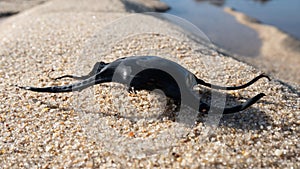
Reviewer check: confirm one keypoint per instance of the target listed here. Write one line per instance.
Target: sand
(106, 127)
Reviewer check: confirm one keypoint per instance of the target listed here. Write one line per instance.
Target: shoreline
(279, 53)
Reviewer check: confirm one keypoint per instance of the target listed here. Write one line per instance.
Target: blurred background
(263, 33)
(223, 29)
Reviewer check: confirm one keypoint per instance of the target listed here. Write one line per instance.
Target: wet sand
(279, 53)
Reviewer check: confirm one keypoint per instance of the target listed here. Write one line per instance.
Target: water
(226, 32)
(284, 14)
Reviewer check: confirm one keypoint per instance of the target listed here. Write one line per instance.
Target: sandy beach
(104, 126)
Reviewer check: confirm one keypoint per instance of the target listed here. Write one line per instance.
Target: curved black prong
(96, 69)
(73, 77)
(201, 82)
(243, 106)
(204, 108)
(68, 88)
